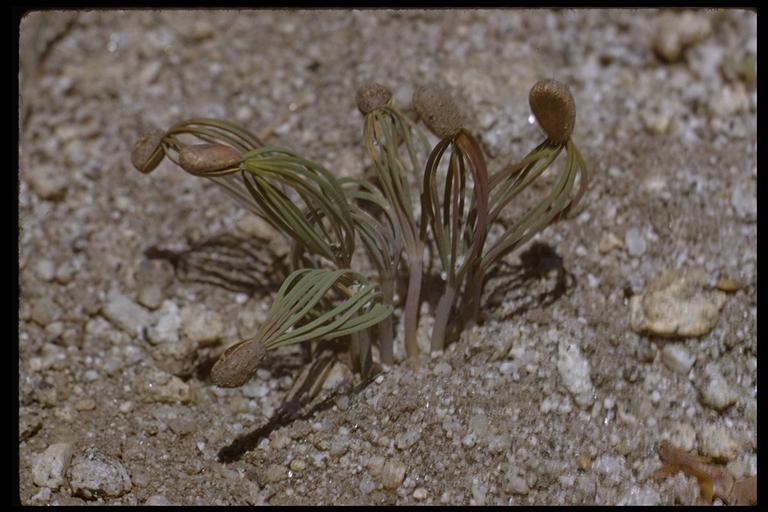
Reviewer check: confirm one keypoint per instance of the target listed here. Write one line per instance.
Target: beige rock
(609, 242)
(717, 443)
(392, 474)
(158, 386)
(676, 305)
(676, 32)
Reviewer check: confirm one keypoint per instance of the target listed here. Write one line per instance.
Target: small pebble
(634, 242)
(640, 496)
(744, 202)
(574, 372)
(43, 495)
(392, 474)
(683, 436)
(514, 482)
(677, 358)
(375, 465)
(366, 485)
(728, 285)
(716, 392)
(298, 465)
(201, 325)
(168, 324)
(156, 385)
(86, 404)
(45, 311)
(94, 474)
(48, 182)
(408, 438)
(675, 32)
(158, 500)
(151, 296)
(125, 314)
(420, 494)
(717, 443)
(49, 467)
(45, 270)
(469, 440)
(275, 473)
(729, 101)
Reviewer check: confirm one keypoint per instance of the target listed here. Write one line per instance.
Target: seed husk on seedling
(148, 151)
(209, 159)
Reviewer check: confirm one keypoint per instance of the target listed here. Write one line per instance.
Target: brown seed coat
(439, 110)
(371, 96)
(238, 363)
(208, 158)
(552, 104)
(148, 151)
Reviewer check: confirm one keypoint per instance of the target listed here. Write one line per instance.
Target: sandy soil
(554, 400)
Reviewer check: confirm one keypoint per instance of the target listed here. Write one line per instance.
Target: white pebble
(634, 242)
(716, 442)
(95, 474)
(420, 494)
(514, 482)
(744, 202)
(716, 392)
(45, 270)
(677, 358)
(158, 500)
(49, 467)
(574, 372)
(125, 314)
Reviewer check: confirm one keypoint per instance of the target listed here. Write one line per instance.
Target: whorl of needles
(552, 104)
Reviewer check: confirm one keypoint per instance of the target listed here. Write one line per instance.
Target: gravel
(559, 397)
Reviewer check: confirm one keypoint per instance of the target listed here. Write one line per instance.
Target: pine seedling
(323, 298)
(311, 305)
(454, 206)
(379, 232)
(553, 106)
(396, 146)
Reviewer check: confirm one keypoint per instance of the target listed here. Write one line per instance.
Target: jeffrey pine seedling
(422, 201)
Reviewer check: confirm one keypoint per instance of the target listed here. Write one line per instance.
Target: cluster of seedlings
(357, 242)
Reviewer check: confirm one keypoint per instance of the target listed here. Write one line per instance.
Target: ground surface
(555, 400)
